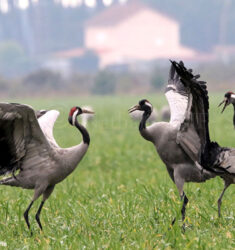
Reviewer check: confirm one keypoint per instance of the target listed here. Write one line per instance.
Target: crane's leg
(38, 215)
(179, 182)
(185, 202)
(38, 191)
(226, 185)
(26, 214)
(46, 195)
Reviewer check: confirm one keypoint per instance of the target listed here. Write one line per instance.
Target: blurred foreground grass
(120, 196)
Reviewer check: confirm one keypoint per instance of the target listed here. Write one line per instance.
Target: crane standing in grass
(229, 98)
(28, 145)
(184, 143)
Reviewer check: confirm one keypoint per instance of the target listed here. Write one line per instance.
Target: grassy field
(120, 196)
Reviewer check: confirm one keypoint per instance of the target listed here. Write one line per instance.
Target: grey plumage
(184, 143)
(228, 160)
(216, 159)
(29, 146)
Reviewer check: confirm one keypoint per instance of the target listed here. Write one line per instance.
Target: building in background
(134, 32)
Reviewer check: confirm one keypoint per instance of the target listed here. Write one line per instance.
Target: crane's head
(144, 105)
(229, 98)
(75, 111)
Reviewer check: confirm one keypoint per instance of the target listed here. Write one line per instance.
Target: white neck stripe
(148, 104)
(74, 117)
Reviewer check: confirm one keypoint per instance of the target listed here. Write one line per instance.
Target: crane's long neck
(145, 117)
(85, 134)
(142, 126)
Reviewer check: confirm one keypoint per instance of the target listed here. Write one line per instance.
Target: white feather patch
(178, 106)
(149, 104)
(47, 122)
(171, 86)
(74, 117)
(233, 96)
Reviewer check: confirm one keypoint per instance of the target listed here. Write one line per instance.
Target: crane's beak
(86, 111)
(225, 102)
(134, 108)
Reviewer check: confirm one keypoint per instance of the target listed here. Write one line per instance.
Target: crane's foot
(172, 224)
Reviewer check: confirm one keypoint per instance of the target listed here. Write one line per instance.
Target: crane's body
(184, 143)
(31, 148)
(47, 172)
(229, 159)
(179, 166)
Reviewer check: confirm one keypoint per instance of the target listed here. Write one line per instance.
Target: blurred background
(84, 47)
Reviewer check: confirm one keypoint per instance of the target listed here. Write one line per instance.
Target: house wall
(146, 35)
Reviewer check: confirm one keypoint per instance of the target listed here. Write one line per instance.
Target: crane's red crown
(72, 110)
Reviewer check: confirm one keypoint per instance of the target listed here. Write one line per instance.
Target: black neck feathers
(85, 135)
(145, 117)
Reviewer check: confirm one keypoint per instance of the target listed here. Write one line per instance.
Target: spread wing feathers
(20, 135)
(177, 96)
(228, 161)
(220, 159)
(193, 135)
(46, 123)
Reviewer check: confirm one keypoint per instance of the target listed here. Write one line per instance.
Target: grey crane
(229, 98)
(28, 145)
(184, 143)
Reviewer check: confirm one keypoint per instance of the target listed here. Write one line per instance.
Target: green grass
(120, 196)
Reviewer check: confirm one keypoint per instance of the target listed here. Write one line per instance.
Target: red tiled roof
(116, 13)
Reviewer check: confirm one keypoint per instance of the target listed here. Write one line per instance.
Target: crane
(27, 146)
(184, 143)
(229, 98)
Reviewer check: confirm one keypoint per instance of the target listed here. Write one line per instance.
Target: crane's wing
(193, 135)
(21, 138)
(46, 123)
(177, 96)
